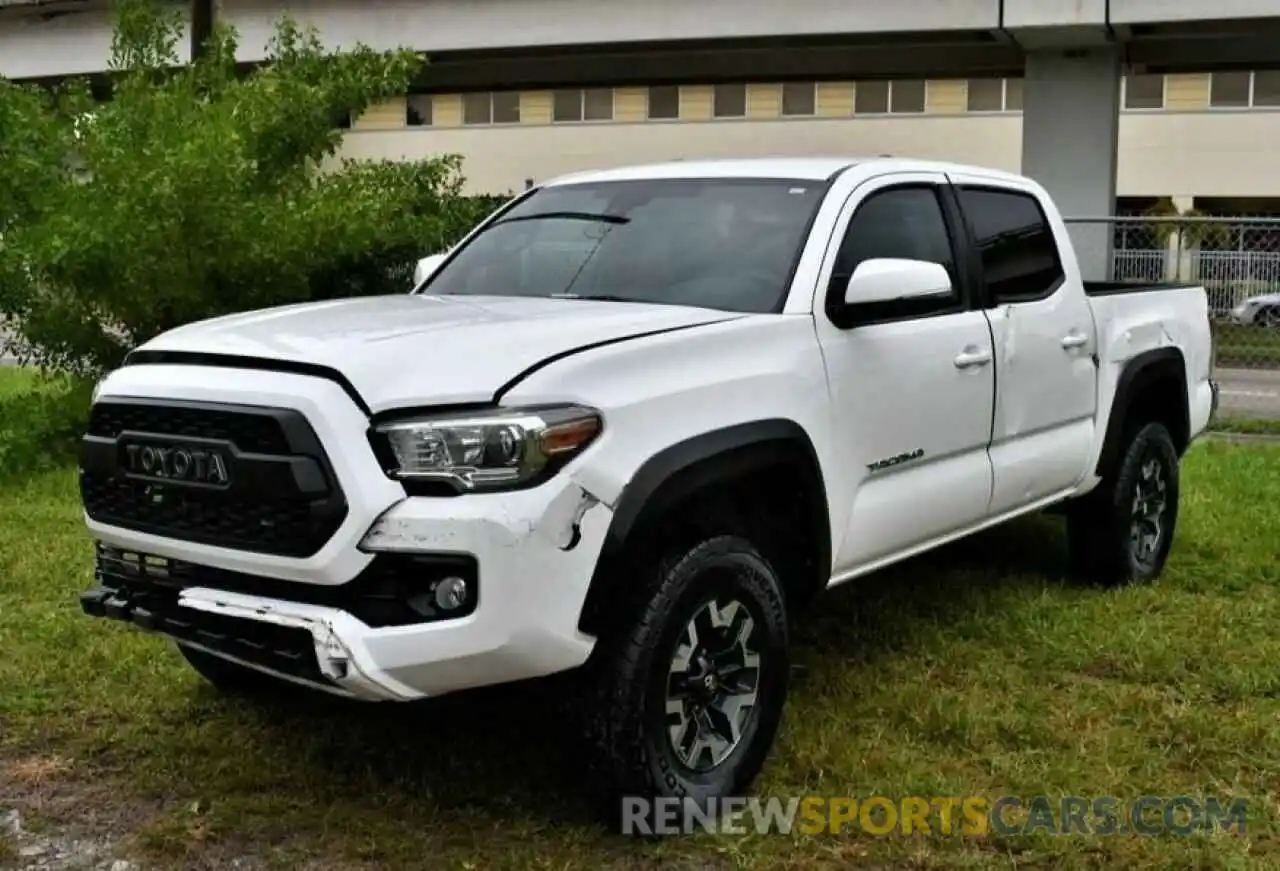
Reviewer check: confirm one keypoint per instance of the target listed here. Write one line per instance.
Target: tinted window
(904, 222)
(716, 243)
(901, 223)
(1019, 253)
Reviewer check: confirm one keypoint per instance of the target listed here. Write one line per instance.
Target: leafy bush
(41, 420)
(196, 191)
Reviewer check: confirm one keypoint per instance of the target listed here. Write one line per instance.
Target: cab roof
(798, 168)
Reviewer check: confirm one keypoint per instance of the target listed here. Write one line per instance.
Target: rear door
(1045, 343)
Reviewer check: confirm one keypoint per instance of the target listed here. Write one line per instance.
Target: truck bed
(1110, 288)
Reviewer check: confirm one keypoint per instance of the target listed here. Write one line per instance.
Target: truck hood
(422, 349)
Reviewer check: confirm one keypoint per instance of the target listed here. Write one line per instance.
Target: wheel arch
(1152, 386)
(705, 465)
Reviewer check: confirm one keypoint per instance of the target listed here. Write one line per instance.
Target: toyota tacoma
(625, 429)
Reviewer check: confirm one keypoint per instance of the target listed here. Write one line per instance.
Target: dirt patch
(57, 816)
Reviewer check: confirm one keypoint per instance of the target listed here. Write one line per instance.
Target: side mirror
(426, 268)
(889, 280)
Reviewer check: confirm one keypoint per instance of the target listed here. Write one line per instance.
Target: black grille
(282, 499)
(253, 433)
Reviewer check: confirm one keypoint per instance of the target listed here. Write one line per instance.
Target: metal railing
(1237, 260)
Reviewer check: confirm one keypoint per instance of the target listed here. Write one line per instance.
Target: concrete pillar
(1070, 134)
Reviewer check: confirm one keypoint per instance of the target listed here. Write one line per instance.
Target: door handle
(971, 356)
(1074, 340)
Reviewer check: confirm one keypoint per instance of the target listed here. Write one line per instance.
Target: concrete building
(1098, 99)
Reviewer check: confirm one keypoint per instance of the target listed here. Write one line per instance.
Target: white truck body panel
(999, 411)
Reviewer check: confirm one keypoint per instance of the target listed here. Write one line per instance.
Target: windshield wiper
(594, 297)
(571, 216)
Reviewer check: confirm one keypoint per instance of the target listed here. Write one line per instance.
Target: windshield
(727, 244)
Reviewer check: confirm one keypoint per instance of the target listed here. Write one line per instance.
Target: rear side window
(1020, 260)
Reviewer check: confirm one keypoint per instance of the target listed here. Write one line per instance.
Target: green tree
(196, 190)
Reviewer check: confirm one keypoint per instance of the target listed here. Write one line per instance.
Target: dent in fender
(561, 523)
(1126, 387)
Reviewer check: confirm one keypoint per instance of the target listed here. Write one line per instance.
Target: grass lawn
(976, 670)
(1251, 426)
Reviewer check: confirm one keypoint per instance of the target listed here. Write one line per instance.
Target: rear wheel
(685, 696)
(1122, 532)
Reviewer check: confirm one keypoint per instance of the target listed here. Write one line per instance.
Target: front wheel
(1122, 532)
(687, 695)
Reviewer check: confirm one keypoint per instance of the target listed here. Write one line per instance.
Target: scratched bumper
(535, 552)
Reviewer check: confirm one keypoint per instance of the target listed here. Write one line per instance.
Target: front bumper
(534, 552)
(531, 575)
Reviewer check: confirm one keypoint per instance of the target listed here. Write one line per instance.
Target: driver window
(901, 222)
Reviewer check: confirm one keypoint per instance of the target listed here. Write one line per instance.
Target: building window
(343, 120)
(1230, 90)
(1144, 92)
(986, 95)
(730, 101)
(871, 98)
(477, 108)
(506, 107)
(995, 95)
(901, 96)
(566, 105)
(597, 104)
(906, 95)
(577, 104)
(1266, 88)
(798, 98)
(417, 110)
(664, 102)
(502, 107)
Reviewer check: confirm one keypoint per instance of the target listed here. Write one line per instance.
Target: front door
(913, 392)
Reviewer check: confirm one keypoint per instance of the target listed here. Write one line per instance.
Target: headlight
(497, 450)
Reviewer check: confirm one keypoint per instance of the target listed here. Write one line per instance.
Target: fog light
(451, 594)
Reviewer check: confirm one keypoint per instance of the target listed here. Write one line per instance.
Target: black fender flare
(702, 461)
(1138, 372)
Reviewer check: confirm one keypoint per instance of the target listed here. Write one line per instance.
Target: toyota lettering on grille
(177, 464)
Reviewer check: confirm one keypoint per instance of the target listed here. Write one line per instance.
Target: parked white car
(1262, 311)
(754, 381)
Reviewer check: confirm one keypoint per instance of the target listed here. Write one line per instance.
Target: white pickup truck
(628, 426)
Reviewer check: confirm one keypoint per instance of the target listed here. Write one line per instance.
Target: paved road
(1250, 392)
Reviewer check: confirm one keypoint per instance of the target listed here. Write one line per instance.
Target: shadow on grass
(510, 750)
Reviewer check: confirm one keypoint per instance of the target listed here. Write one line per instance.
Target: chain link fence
(1237, 260)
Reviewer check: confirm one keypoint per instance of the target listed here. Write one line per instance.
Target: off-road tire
(626, 693)
(1101, 526)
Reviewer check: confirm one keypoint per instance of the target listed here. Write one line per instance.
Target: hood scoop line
(235, 361)
(590, 346)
